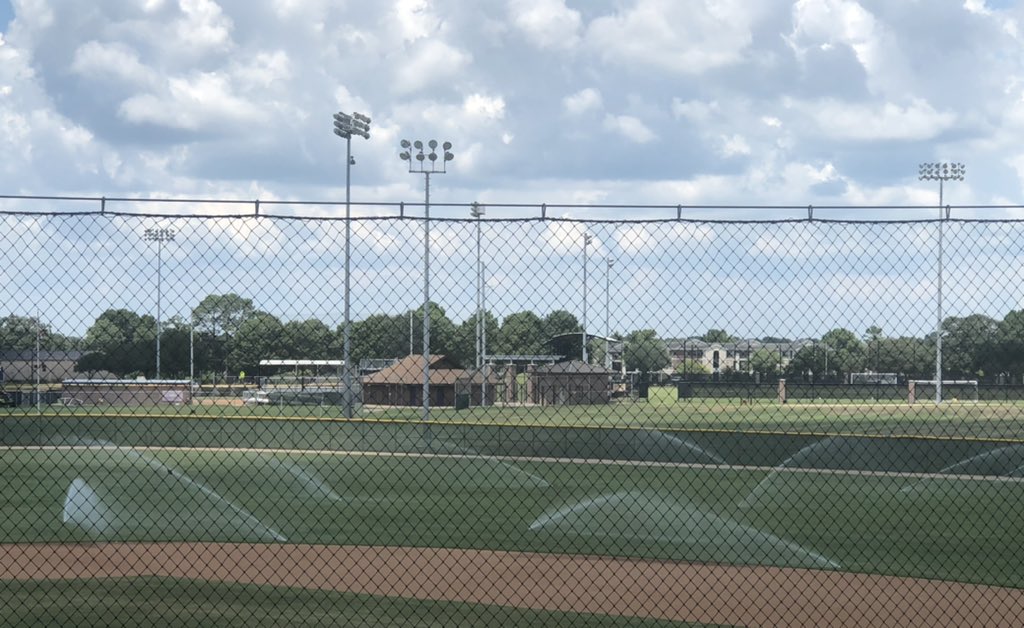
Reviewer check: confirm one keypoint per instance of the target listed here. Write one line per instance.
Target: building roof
(572, 367)
(409, 371)
(678, 344)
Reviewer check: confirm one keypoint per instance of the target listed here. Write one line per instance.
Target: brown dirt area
(733, 595)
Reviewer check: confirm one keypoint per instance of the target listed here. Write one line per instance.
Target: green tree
(217, 319)
(521, 333)
(644, 351)
(18, 333)
(969, 345)
(380, 336)
(845, 352)
(1009, 353)
(716, 335)
(766, 362)
(442, 330)
(556, 326)
(464, 347)
(260, 336)
(689, 366)
(125, 341)
(310, 339)
(913, 358)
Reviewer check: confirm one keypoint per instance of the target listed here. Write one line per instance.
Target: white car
(255, 398)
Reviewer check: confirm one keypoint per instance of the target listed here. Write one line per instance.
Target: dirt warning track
(732, 595)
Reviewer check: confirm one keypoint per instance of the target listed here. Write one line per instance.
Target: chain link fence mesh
(615, 422)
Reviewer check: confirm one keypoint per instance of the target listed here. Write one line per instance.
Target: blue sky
(693, 102)
(558, 101)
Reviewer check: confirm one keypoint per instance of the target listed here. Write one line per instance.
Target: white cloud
(734, 145)
(694, 110)
(204, 26)
(428, 63)
(414, 19)
(199, 102)
(587, 99)
(827, 22)
(916, 120)
(630, 128)
(484, 107)
(115, 61)
(678, 36)
(546, 23)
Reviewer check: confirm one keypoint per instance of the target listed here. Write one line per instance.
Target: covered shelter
(401, 384)
(126, 392)
(570, 383)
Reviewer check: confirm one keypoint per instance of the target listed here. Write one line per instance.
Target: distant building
(734, 356)
(54, 366)
(401, 384)
(570, 383)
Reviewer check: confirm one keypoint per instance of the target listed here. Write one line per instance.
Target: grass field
(585, 485)
(948, 528)
(178, 603)
(987, 419)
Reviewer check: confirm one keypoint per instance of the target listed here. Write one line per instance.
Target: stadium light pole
(587, 239)
(477, 211)
(426, 164)
(609, 262)
(483, 334)
(159, 236)
(941, 172)
(345, 126)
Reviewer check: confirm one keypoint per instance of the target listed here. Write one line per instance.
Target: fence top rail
(398, 209)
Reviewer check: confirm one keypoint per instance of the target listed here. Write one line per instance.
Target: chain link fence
(225, 420)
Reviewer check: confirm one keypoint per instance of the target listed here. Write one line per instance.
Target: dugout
(126, 392)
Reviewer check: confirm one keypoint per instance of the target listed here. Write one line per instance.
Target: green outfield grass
(987, 419)
(960, 529)
(180, 603)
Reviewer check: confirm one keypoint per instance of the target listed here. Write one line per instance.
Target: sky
(694, 102)
(615, 102)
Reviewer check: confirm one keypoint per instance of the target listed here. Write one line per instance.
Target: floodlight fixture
(424, 157)
(941, 172)
(158, 235)
(345, 126)
(419, 166)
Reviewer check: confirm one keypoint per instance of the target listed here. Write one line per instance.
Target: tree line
(229, 334)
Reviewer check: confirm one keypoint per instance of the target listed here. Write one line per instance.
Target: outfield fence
(532, 381)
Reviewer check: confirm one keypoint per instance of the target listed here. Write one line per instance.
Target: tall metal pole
(423, 160)
(345, 126)
(607, 313)
(940, 172)
(426, 299)
(587, 238)
(191, 355)
(938, 311)
(483, 334)
(39, 392)
(477, 211)
(347, 333)
(159, 264)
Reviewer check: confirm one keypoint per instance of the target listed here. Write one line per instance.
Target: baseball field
(463, 521)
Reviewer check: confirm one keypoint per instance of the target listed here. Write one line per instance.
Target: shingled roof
(409, 371)
(572, 367)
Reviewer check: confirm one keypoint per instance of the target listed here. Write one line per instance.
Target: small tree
(645, 352)
(765, 361)
(689, 366)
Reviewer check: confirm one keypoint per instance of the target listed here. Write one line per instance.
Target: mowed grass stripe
(180, 603)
